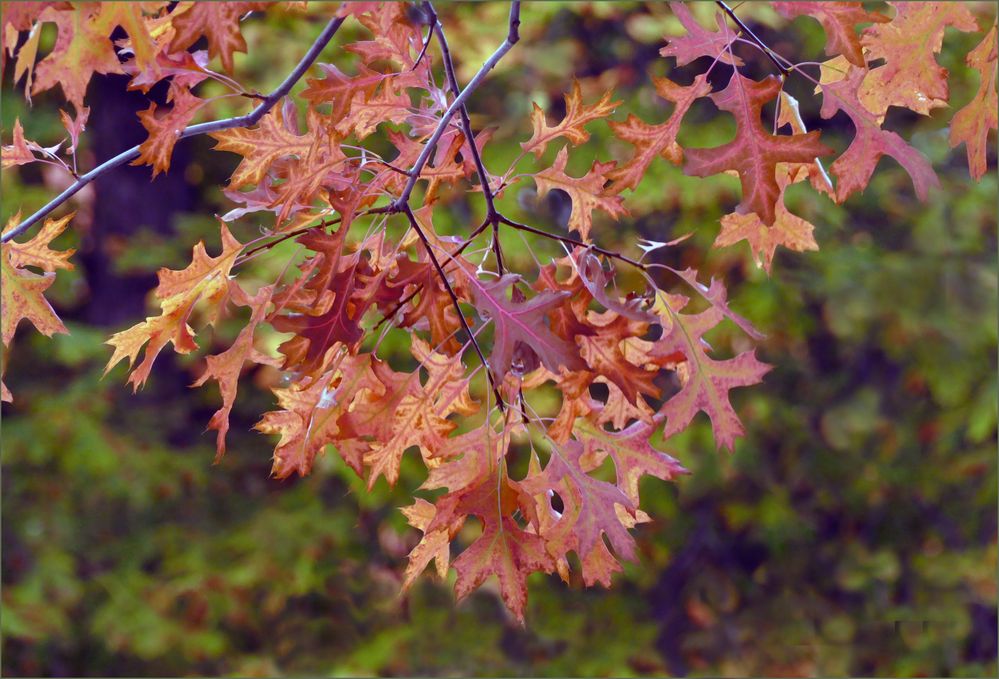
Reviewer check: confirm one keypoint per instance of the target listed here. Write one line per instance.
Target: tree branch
(400, 204)
(492, 217)
(454, 301)
(202, 128)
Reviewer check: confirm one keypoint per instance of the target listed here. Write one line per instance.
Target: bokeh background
(852, 532)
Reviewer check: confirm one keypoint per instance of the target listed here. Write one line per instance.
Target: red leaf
(754, 153)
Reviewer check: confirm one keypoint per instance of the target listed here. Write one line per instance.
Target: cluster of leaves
(494, 348)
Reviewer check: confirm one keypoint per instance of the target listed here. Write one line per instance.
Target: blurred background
(852, 532)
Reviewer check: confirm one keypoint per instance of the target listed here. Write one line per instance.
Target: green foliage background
(853, 531)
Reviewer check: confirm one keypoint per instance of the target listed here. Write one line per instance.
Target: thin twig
(573, 241)
(492, 216)
(745, 29)
(399, 205)
(201, 128)
(454, 301)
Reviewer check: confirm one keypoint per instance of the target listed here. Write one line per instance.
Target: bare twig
(202, 128)
(454, 301)
(399, 205)
(573, 241)
(745, 29)
(492, 216)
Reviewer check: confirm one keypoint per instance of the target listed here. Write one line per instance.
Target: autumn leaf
(522, 322)
(20, 151)
(218, 23)
(37, 251)
(854, 168)
(23, 298)
(587, 192)
(700, 42)
(651, 141)
(972, 123)
(164, 130)
(273, 138)
(311, 410)
(788, 229)
(754, 153)
(226, 367)
(838, 19)
(590, 505)
(911, 76)
(434, 546)
(83, 47)
(508, 552)
(204, 281)
(572, 126)
(707, 381)
(631, 451)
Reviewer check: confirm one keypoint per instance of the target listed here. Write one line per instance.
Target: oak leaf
(911, 76)
(572, 126)
(838, 19)
(218, 23)
(205, 281)
(522, 322)
(853, 169)
(707, 382)
(23, 298)
(651, 141)
(225, 368)
(699, 41)
(754, 153)
(587, 192)
(788, 229)
(972, 123)
(164, 130)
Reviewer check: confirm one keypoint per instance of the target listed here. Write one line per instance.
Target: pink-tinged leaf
(522, 322)
(706, 382)
(699, 41)
(838, 19)
(754, 153)
(911, 76)
(590, 505)
(508, 552)
(19, 152)
(854, 168)
(717, 295)
(226, 367)
(75, 126)
(632, 452)
(596, 280)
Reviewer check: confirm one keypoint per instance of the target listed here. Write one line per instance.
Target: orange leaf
(587, 192)
(911, 76)
(838, 19)
(205, 280)
(972, 123)
(572, 127)
(700, 42)
(655, 140)
(218, 22)
(226, 367)
(854, 168)
(164, 130)
(788, 230)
